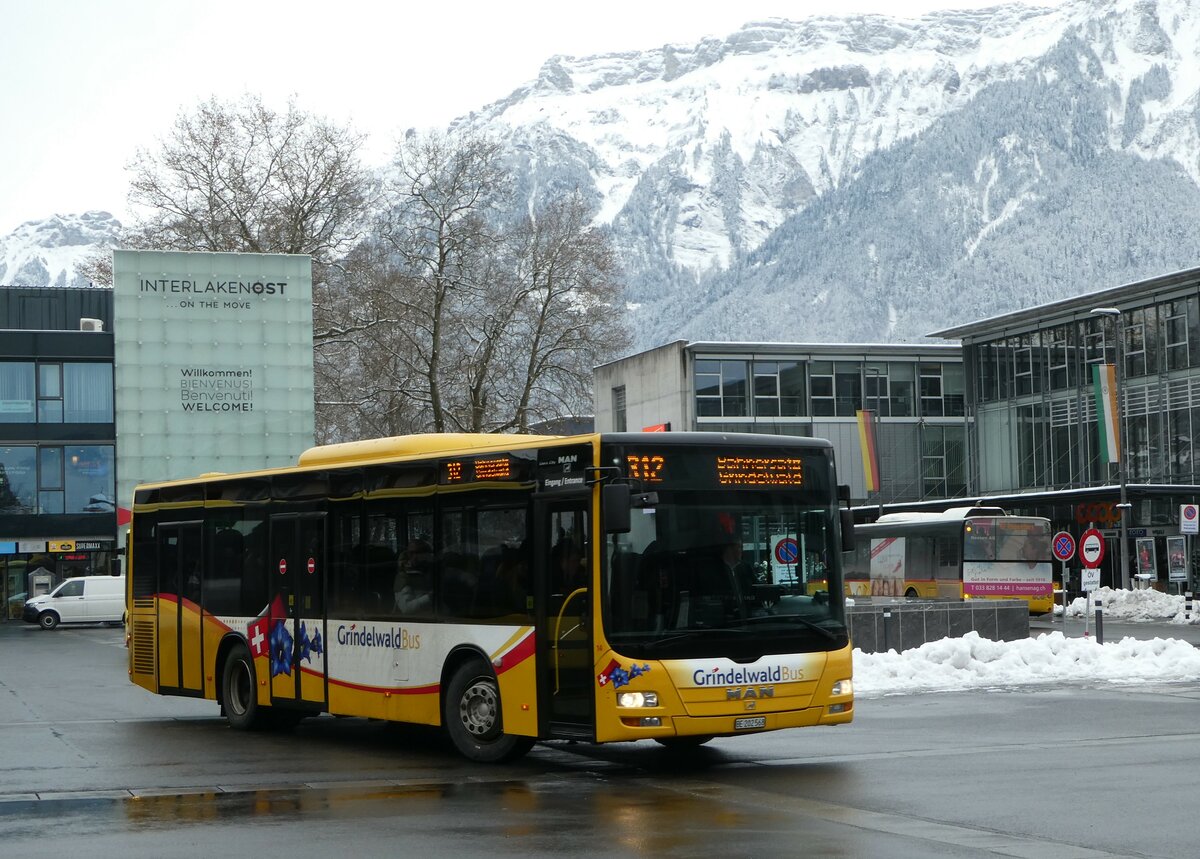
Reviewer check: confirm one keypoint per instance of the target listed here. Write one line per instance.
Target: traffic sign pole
(1063, 545)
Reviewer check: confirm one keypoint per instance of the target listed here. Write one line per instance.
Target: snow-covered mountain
(868, 178)
(45, 253)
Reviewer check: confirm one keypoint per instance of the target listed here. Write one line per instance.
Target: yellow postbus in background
(961, 553)
(509, 588)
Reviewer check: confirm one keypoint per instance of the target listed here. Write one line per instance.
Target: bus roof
(422, 445)
(954, 514)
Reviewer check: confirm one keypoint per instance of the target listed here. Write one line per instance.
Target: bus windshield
(736, 555)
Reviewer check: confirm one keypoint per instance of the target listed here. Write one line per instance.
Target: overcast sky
(86, 83)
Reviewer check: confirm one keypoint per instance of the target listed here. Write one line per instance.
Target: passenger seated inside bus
(413, 589)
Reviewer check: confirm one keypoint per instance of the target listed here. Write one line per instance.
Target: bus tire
(47, 620)
(911, 594)
(471, 711)
(239, 691)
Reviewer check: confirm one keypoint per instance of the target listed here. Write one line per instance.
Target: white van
(87, 599)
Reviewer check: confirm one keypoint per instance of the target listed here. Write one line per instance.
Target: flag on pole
(870, 450)
(1104, 377)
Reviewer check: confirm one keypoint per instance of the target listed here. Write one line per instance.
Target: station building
(1004, 413)
(917, 392)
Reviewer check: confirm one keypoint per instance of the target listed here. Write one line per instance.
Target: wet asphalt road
(95, 766)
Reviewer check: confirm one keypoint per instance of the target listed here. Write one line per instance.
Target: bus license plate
(749, 723)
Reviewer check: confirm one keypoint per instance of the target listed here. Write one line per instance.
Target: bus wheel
(48, 620)
(472, 715)
(238, 691)
(911, 594)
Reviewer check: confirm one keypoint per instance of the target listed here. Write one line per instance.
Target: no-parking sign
(1064, 546)
(1189, 519)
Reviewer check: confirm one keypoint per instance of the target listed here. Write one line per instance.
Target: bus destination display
(728, 470)
(493, 468)
(759, 471)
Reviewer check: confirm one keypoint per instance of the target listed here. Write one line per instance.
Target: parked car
(84, 599)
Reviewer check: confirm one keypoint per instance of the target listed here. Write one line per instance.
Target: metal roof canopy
(1045, 315)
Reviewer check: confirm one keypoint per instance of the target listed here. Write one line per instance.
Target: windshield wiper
(670, 639)
(785, 618)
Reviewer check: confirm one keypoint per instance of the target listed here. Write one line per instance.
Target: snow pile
(973, 662)
(1133, 606)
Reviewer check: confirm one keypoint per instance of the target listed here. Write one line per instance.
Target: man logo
(749, 693)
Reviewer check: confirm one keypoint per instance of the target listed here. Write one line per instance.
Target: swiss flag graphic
(259, 629)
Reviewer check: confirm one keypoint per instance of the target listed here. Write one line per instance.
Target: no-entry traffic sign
(1091, 548)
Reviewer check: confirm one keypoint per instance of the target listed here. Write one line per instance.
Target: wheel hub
(479, 708)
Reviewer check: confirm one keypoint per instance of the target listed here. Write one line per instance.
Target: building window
(875, 389)
(50, 404)
(87, 393)
(53, 479)
(50, 480)
(722, 389)
(1059, 348)
(1175, 333)
(821, 384)
(902, 387)
(89, 478)
(943, 461)
(54, 392)
(931, 390)
(1135, 344)
(17, 392)
(778, 389)
(1032, 448)
(18, 480)
(848, 378)
(1096, 349)
(954, 390)
(618, 407)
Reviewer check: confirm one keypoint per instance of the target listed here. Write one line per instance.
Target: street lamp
(1115, 314)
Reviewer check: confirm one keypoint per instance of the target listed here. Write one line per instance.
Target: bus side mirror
(847, 529)
(617, 502)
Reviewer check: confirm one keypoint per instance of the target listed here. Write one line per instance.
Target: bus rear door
(298, 573)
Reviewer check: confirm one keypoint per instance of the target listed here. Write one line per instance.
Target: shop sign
(60, 545)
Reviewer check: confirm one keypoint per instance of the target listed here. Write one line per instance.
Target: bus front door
(566, 698)
(180, 636)
(298, 572)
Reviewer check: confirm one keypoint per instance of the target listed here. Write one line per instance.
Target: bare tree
(569, 312)
(441, 238)
(242, 177)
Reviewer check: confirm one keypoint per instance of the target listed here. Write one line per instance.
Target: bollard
(1187, 607)
(1099, 620)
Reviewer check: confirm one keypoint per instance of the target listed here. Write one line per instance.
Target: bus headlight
(637, 699)
(842, 687)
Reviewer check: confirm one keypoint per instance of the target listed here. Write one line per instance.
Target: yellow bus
(509, 588)
(961, 553)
